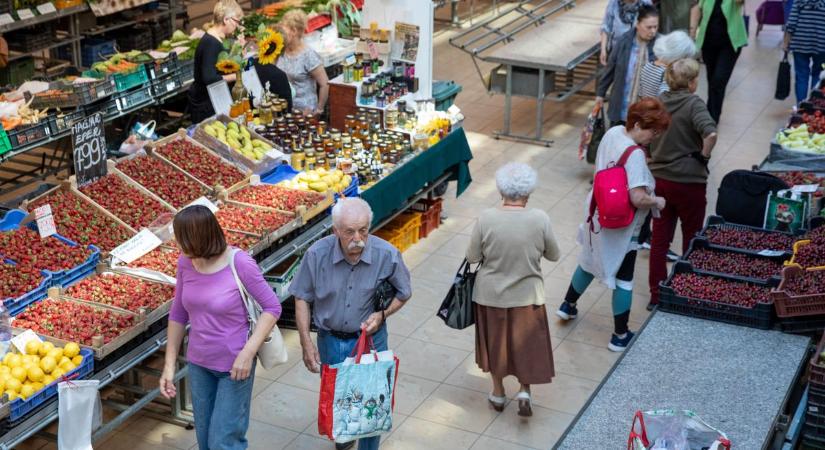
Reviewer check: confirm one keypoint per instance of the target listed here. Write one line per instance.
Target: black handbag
(599, 128)
(383, 296)
(743, 196)
(783, 79)
(457, 308)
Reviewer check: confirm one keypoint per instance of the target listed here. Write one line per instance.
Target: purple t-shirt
(212, 305)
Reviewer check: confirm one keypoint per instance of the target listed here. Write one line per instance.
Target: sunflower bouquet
(230, 60)
(270, 44)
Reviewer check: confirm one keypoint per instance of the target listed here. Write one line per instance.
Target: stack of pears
(238, 139)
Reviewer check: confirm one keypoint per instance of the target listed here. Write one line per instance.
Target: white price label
(805, 188)
(170, 86)
(45, 221)
(139, 245)
(255, 179)
(19, 342)
(46, 8)
(25, 14)
(203, 201)
(771, 253)
(6, 19)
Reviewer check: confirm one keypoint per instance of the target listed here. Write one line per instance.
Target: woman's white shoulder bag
(273, 351)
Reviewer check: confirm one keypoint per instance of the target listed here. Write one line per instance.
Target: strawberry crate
(430, 210)
(744, 270)
(15, 305)
(716, 223)
(126, 81)
(69, 276)
(788, 305)
(25, 135)
(134, 99)
(20, 407)
(760, 316)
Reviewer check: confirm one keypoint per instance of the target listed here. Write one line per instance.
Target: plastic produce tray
(760, 316)
(15, 305)
(24, 135)
(126, 81)
(136, 98)
(5, 144)
(186, 69)
(94, 50)
(160, 68)
(702, 243)
(796, 247)
(718, 222)
(788, 305)
(166, 84)
(430, 211)
(60, 122)
(266, 165)
(19, 407)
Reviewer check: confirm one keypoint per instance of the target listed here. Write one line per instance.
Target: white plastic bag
(674, 430)
(79, 412)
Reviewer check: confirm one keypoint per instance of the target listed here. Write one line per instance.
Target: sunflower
(270, 46)
(228, 66)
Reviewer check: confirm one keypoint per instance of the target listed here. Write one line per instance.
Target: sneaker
(345, 446)
(618, 345)
(567, 311)
(645, 245)
(672, 257)
(651, 306)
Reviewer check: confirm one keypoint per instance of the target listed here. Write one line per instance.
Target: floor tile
(469, 376)
(286, 406)
(426, 360)
(417, 434)
(411, 391)
(438, 268)
(298, 376)
(595, 330)
(488, 443)
(408, 319)
(156, 431)
(262, 435)
(434, 330)
(540, 431)
(583, 360)
(567, 393)
(414, 256)
(307, 442)
(428, 294)
(457, 407)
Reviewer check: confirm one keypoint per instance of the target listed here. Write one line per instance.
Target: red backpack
(610, 195)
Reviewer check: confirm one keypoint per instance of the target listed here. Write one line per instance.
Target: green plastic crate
(124, 82)
(444, 93)
(5, 144)
(17, 72)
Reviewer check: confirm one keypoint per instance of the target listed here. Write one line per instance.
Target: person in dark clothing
(719, 29)
(277, 79)
(227, 19)
(624, 65)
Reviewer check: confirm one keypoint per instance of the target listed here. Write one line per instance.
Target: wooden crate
(269, 235)
(262, 167)
(112, 165)
(306, 214)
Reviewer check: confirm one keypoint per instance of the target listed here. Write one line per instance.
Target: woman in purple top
(221, 352)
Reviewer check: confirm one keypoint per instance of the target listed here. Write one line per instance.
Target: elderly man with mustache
(339, 275)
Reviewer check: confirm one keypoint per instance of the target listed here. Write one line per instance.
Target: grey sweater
(671, 155)
(615, 72)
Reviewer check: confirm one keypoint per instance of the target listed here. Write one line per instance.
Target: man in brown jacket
(679, 162)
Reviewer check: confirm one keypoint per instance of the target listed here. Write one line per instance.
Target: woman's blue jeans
(333, 350)
(221, 408)
(807, 67)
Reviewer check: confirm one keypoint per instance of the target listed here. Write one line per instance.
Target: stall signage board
(89, 143)
(139, 245)
(220, 97)
(25, 14)
(6, 19)
(46, 8)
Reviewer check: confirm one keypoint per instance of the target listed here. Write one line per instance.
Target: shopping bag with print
(358, 395)
(673, 430)
(79, 411)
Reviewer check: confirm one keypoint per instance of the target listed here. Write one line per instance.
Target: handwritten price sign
(89, 143)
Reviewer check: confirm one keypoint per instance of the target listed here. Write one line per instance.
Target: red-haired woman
(609, 254)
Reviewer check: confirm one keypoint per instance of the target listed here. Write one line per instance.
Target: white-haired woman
(512, 330)
(668, 48)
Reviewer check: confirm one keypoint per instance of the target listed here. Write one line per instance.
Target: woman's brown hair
(649, 113)
(198, 233)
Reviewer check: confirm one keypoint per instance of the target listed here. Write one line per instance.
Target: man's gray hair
(674, 46)
(350, 205)
(516, 180)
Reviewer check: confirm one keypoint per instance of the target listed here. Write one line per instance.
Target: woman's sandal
(497, 403)
(525, 404)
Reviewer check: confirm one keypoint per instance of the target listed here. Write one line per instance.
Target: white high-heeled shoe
(497, 403)
(525, 404)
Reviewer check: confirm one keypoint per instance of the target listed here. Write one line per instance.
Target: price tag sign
(349, 60)
(373, 49)
(771, 253)
(46, 8)
(139, 245)
(25, 14)
(203, 201)
(6, 19)
(19, 342)
(805, 188)
(45, 221)
(89, 143)
(255, 180)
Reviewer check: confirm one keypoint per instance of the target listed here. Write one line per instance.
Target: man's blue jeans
(807, 67)
(221, 408)
(334, 350)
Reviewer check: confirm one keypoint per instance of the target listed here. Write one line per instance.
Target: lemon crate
(796, 247)
(20, 407)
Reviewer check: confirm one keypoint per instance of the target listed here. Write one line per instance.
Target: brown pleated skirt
(514, 341)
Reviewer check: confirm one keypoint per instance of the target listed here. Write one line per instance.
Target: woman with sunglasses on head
(227, 17)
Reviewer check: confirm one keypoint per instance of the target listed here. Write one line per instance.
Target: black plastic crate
(94, 50)
(62, 121)
(161, 31)
(719, 222)
(166, 85)
(25, 135)
(702, 243)
(161, 68)
(17, 72)
(134, 38)
(32, 39)
(186, 69)
(816, 396)
(131, 99)
(802, 325)
(760, 316)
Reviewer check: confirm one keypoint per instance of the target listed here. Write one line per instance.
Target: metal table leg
(508, 99)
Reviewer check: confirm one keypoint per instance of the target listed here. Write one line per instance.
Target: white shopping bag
(79, 412)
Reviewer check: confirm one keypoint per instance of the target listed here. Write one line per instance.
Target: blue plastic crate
(444, 93)
(351, 191)
(93, 50)
(68, 277)
(280, 173)
(19, 407)
(12, 219)
(16, 305)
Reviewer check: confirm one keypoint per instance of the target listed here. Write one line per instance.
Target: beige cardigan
(511, 242)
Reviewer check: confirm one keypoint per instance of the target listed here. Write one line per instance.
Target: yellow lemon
(56, 353)
(63, 360)
(48, 379)
(77, 360)
(67, 366)
(27, 391)
(19, 373)
(37, 386)
(2, 385)
(71, 349)
(48, 364)
(35, 374)
(13, 360)
(31, 360)
(57, 373)
(32, 347)
(5, 377)
(12, 395)
(13, 385)
(45, 348)
(5, 369)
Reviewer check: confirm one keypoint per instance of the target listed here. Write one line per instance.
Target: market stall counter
(737, 379)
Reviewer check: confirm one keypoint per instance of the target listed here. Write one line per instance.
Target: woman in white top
(668, 48)
(609, 254)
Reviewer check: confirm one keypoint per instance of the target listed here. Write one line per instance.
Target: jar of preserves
(358, 72)
(322, 162)
(380, 100)
(298, 159)
(310, 161)
(347, 150)
(346, 138)
(321, 127)
(391, 117)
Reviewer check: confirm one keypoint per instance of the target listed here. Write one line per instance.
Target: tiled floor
(441, 393)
